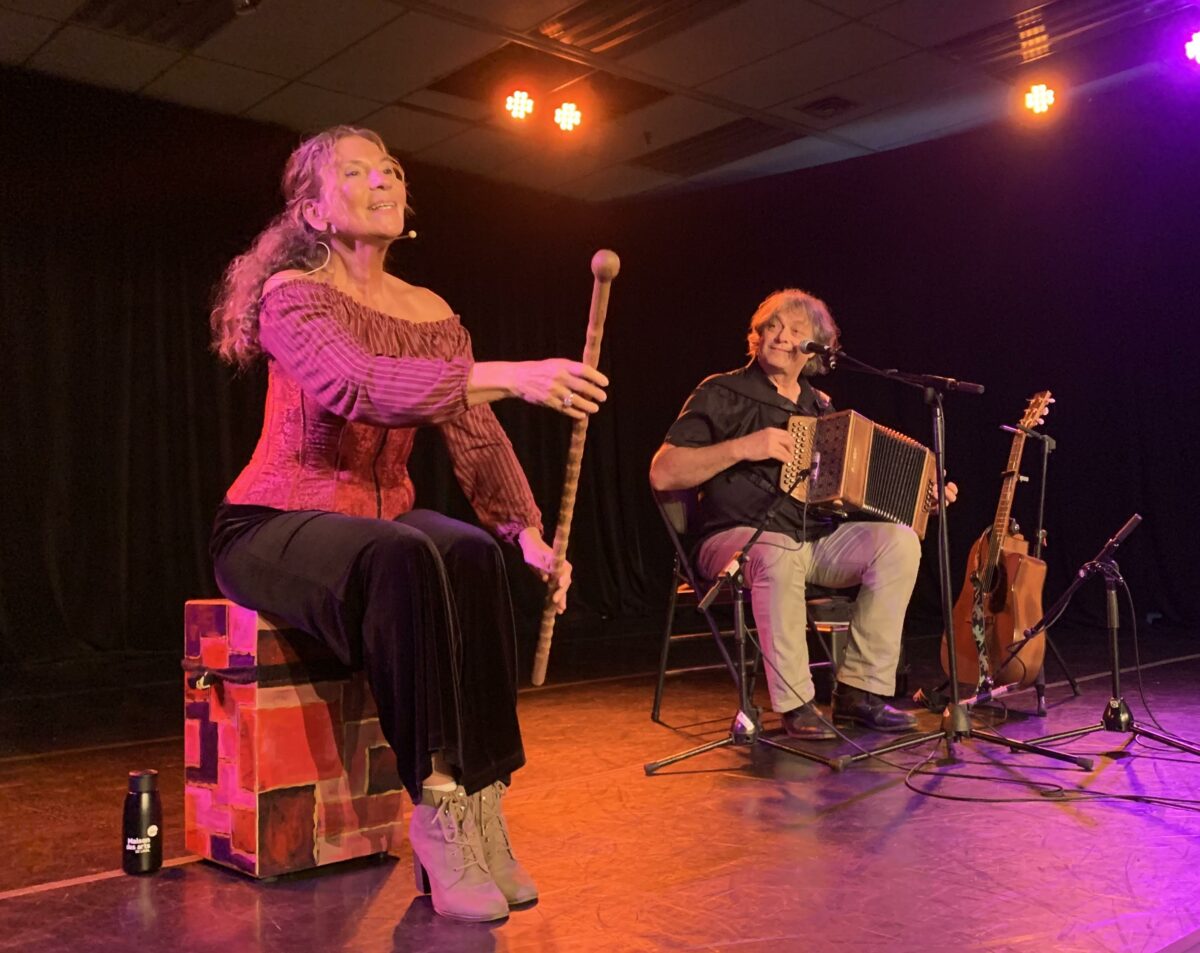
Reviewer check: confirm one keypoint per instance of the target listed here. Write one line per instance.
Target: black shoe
(855, 706)
(805, 724)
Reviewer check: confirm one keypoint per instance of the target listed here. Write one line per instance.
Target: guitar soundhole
(996, 598)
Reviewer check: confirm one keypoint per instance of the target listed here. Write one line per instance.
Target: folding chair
(828, 613)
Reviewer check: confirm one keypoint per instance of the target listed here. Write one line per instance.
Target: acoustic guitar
(1002, 593)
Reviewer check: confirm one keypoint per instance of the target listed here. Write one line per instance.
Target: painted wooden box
(287, 768)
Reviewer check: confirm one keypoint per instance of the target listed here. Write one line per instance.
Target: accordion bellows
(862, 468)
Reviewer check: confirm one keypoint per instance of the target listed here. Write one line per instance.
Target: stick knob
(605, 265)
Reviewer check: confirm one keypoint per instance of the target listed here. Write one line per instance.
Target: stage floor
(741, 849)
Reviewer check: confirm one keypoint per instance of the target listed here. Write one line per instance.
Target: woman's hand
(540, 558)
(570, 387)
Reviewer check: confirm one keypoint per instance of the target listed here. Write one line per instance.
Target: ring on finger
(568, 400)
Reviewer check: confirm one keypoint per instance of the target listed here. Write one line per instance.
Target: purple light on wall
(1193, 48)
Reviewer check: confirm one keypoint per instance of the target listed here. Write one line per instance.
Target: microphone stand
(956, 720)
(746, 727)
(1116, 716)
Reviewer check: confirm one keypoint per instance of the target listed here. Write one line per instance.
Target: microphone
(812, 347)
(949, 383)
(411, 233)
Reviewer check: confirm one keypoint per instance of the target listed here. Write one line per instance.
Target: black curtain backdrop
(1065, 259)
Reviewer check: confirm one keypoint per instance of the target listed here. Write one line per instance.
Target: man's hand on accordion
(951, 496)
(770, 443)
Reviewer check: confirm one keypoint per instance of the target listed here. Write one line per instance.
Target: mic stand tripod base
(956, 726)
(1116, 717)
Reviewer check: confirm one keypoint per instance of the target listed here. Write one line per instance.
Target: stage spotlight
(1039, 99)
(1192, 49)
(519, 104)
(567, 116)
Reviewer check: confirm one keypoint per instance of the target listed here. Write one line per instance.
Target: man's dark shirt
(726, 406)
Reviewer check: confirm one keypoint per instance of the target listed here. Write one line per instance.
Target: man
(730, 440)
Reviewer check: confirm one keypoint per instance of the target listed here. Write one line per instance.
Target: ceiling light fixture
(519, 104)
(567, 116)
(1039, 99)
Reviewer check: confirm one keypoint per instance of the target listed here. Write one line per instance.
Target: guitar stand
(1116, 716)
(935, 698)
(1039, 685)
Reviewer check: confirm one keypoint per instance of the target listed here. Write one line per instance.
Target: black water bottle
(142, 843)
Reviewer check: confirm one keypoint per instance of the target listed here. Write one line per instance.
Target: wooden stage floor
(742, 849)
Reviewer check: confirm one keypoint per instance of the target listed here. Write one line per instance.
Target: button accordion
(861, 468)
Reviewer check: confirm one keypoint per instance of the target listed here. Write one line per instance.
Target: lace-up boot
(448, 857)
(512, 879)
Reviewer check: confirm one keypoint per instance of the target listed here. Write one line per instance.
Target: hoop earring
(325, 263)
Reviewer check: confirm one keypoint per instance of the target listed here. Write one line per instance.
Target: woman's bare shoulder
(418, 303)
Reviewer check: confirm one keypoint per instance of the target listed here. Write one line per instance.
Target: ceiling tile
(288, 39)
(20, 35)
(410, 130)
(717, 147)
(54, 9)
(929, 22)
(860, 8)
(617, 28)
(178, 26)
(452, 105)
(949, 112)
(889, 85)
(215, 86)
(101, 59)
(480, 150)
(810, 65)
(800, 154)
(743, 34)
(402, 57)
(659, 124)
(309, 108)
(521, 15)
(616, 181)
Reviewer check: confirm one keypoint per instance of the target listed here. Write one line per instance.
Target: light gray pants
(883, 557)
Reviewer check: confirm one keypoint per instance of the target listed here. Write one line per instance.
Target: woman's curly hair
(287, 242)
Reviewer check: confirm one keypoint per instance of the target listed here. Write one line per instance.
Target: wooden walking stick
(605, 265)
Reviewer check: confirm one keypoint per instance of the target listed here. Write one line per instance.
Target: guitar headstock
(1035, 412)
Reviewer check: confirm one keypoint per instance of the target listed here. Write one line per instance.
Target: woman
(319, 528)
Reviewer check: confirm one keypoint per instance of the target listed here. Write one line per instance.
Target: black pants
(421, 603)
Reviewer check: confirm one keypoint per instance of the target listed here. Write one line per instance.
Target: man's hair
(788, 301)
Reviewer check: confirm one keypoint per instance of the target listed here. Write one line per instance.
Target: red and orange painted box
(287, 767)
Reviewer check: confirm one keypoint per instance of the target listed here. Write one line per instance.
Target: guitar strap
(978, 633)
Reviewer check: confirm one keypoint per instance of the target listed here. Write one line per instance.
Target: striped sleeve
(298, 329)
(488, 471)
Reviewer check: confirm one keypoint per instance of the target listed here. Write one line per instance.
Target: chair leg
(725, 656)
(826, 648)
(666, 644)
(902, 671)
